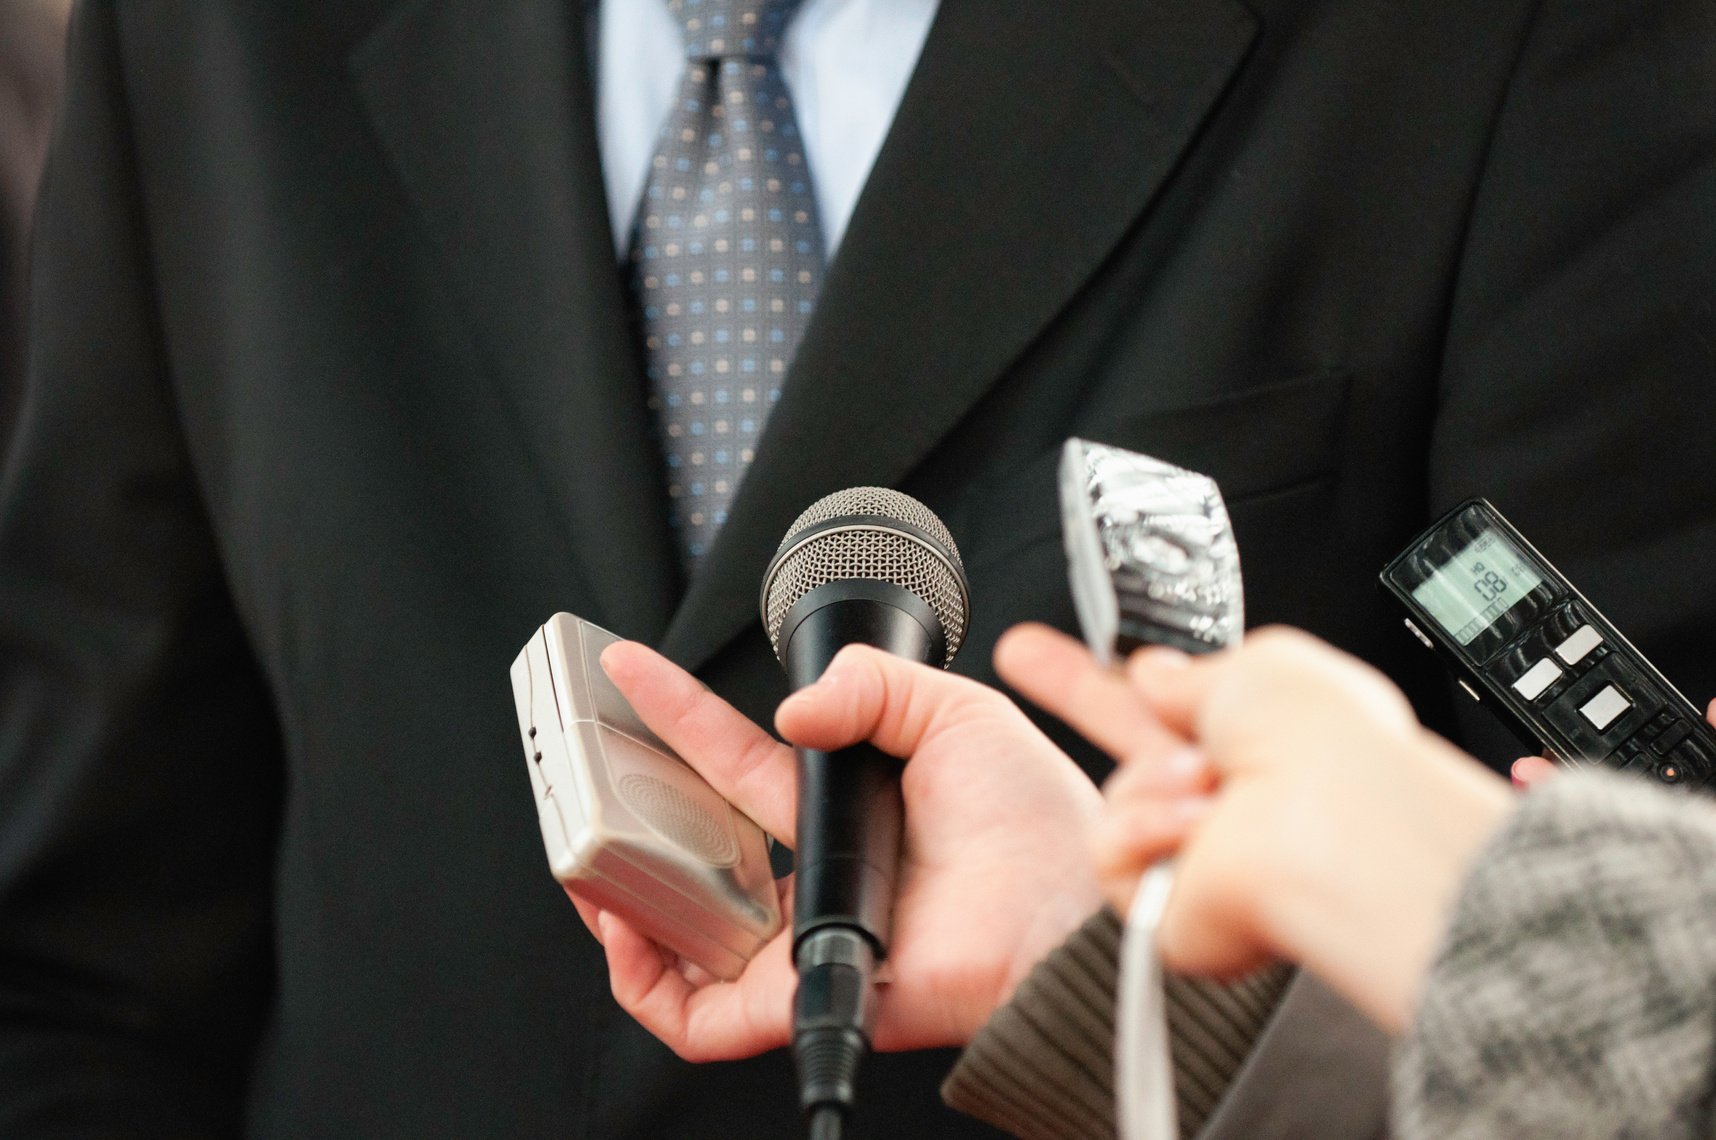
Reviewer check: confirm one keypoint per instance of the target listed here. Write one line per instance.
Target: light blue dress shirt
(846, 63)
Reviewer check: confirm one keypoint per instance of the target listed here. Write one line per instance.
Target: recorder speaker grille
(679, 819)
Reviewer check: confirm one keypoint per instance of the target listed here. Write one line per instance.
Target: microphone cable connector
(833, 1013)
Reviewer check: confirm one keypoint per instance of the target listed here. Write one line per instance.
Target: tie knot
(717, 29)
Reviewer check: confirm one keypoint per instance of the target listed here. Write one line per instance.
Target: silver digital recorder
(626, 823)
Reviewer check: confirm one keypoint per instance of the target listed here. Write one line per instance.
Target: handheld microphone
(865, 566)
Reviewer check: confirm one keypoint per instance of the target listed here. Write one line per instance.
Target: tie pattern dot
(726, 258)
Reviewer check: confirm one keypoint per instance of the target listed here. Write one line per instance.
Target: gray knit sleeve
(1043, 1067)
(1574, 994)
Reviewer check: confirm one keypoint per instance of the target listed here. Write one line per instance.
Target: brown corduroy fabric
(1043, 1067)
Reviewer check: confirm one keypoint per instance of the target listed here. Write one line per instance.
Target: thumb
(1173, 685)
(867, 694)
(1530, 772)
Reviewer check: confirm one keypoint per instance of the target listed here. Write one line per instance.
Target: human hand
(1341, 829)
(1162, 785)
(993, 874)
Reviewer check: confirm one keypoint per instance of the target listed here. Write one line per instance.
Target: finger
(1059, 674)
(1184, 692)
(1132, 839)
(588, 911)
(866, 694)
(1710, 714)
(746, 765)
(1176, 772)
(1532, 772)
(1172, 685)
(700, 1020)
(644, 982)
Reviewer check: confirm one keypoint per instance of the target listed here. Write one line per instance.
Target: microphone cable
(827, 1123)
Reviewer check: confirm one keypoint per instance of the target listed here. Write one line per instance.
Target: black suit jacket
(336, 400)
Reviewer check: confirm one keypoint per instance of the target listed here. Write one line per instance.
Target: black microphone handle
(850, 814)
(846, 860)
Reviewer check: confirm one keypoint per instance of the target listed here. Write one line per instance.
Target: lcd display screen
(1479, 584)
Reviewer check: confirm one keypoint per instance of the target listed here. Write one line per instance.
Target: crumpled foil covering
(1152, 557)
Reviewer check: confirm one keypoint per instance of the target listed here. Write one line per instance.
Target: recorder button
(1605, 708)
(1626, 755)
(1695, 759)
(1666, 742)
(1575, 648)
(1537, 679)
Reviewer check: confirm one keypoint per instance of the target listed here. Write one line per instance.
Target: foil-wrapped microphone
(864, 566)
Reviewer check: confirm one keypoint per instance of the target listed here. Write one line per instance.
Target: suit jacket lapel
(1031, 138)
(486, 112)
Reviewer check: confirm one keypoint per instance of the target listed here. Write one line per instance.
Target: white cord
(1143, 1066)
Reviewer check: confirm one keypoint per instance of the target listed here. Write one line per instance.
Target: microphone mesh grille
(868, 554)
(881, 501)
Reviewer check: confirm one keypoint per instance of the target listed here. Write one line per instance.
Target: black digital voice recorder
(1520, 639)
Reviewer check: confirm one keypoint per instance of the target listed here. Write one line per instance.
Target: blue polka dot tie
(726, 258)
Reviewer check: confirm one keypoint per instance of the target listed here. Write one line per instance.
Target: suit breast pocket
(1260, 445)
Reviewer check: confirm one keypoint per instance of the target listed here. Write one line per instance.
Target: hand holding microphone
(992, 872)
(866, 566)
